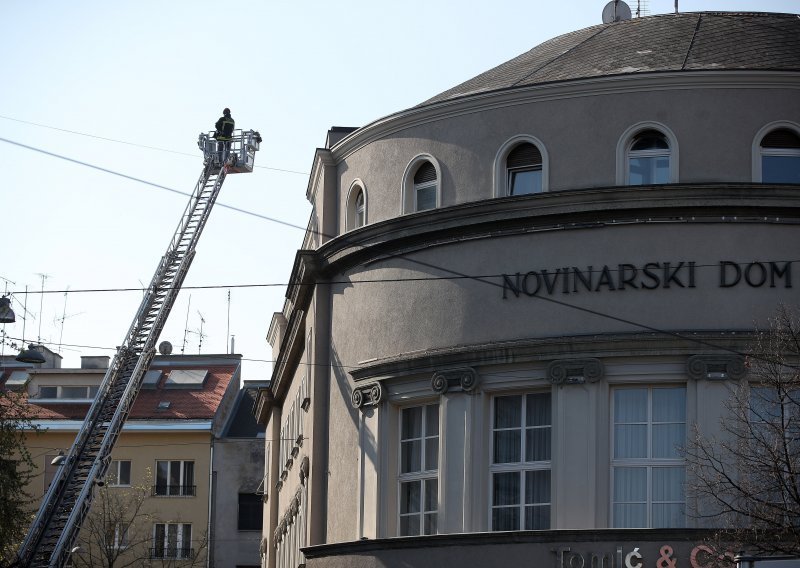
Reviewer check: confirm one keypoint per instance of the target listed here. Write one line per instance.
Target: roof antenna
(186, 326)
(41, 303)
(616, 11)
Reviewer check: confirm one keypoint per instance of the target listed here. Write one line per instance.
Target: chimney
(95, 362)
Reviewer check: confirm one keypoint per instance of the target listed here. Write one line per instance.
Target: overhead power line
(116, 141)
(402, 256)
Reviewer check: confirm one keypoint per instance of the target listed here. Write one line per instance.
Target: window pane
(538, 410)
(523, 182)
(630, 441)
(432, 420)
(668, 440)
(409, 526)
(175, 473)
(426, 197)
(412, 423)
(668, 483)
(780, 169)
(505, 519)
(537, 487)
(188, 473)
(430, 524)
(431, 495)
(507, 446)
(431, 453)
(162, 477)
(537, 518)
(508, 412)
(629, 516)
(505, 489)
(669, 405)
(73, 392)
(410, 456)
(124, 473)
(410, 497)
(668, 515)
(630, 484)
(537, 444)
(630, 406)
(648, 170)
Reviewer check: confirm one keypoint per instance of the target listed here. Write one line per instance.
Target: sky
(95, 93)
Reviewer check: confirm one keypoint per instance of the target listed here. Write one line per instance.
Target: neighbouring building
(517, 298)
(188, 452)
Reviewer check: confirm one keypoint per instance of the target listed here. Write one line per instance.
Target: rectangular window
(648, 468)
(251, 512)
(520, 469)
(419, 465)
(119, 473)
(116, 536)
(172, 540)
(175, 478)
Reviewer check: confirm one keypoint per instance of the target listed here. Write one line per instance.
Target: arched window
(524, 170)
(356, 206)
(780, 156)
(520, 167)
(425, 187)
(648, 160)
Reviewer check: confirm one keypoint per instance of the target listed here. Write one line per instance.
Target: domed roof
(698, 41)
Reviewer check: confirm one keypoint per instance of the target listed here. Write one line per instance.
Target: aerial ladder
(54, 532)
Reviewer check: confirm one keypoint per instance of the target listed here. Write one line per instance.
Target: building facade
(162, 503)
(516, 300)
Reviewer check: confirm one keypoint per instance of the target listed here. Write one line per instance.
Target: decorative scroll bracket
(367, 395)
(716, 367)
(464, 378)
(574, 371)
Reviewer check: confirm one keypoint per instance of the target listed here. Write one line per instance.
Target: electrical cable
(402, 256)
(135, 144)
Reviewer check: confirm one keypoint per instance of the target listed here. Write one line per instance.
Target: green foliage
(16, 470)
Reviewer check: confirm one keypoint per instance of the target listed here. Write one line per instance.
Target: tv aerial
(616, 11)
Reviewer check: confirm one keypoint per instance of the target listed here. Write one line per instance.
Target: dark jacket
(224, 128)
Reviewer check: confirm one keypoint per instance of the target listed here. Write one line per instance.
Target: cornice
(322, 158)
(291, 348)
(580, 348)
(573, 88)
(562, 211)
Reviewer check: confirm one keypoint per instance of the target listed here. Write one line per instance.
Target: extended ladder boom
(68, 499)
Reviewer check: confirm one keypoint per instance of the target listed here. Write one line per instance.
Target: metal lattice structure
(68, 499)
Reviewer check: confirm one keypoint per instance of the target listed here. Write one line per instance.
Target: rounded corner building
(516, 300)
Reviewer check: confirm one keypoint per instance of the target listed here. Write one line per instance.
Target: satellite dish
(616, 11)
(165, 348)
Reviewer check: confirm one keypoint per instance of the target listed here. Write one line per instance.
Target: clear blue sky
(154, 73)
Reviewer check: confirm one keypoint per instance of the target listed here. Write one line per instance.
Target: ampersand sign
(666, 560)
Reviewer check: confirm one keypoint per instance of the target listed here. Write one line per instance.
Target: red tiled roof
(187, 404)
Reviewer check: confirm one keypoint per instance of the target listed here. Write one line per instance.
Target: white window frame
(423, 475)
(121, 539)
(501, 188)
(409, 188)
(179, 541)
(90, 393)
(183, 490)
(113, 474)
(352, 210)
(758, 152)
(650, 463)
(624, 150)
(522, 466)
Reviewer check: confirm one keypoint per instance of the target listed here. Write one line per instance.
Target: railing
(171, 552)
(174, 491)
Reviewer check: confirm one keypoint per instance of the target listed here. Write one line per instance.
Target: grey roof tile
(670, 42)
